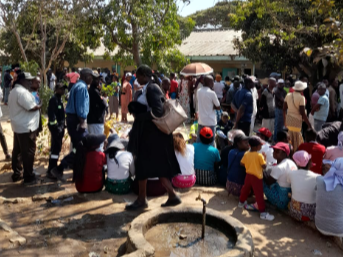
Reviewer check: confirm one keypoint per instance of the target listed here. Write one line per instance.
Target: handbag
(174, 115)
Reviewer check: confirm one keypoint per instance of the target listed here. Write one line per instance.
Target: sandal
(250, 207)
(172, 202)
(136, 206)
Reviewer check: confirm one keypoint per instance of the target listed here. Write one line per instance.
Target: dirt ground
(98, 222)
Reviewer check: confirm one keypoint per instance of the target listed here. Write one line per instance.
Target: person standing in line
(77, 111)
(230, 95)
(267, 106)
(114, 99)
(333, 100)
(243, 102)
(97, 108)
(184, 97)
(279, 98)
(73, 77)
(173, 86)
(320, 111)
(218, 87)
(7, 85)
(254, 111)
(24, 115)
(126, 96)
(208, 103)
(2, 136)
(56, 126)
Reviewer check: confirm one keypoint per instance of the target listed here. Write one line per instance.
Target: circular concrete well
(177, 232)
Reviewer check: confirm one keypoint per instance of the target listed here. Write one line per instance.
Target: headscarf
(334, 176)
(340, 140)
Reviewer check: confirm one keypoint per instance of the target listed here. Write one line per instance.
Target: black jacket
(56, 113)
(97, 107)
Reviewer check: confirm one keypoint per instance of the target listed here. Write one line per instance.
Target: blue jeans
(213, 128)
(7, 92)
(278, 125)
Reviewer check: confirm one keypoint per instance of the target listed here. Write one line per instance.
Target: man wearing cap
(97, 108)
(25, 116)
(243, 102)
(56, 126)
(276, 187)
(208, 103)
(77, 111)
(267, 105)
(279, 98)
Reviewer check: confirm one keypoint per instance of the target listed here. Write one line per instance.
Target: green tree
(285, 34)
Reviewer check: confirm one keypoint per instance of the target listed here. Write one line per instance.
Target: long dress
(184, 99)
(126, 97)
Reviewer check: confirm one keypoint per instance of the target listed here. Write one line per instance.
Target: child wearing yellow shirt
(254, 163)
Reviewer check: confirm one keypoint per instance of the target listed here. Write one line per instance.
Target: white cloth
(303, 184)
(124, 168)
(218, 89)
(280, 172)
(97, 129)
(269, 153)
(20, 102)
(269, 124)
(196, 104)
(207, 99)
(255, 98)
(186, 162)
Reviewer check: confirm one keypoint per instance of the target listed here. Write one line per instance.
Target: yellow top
(294, 101)
(253, 162)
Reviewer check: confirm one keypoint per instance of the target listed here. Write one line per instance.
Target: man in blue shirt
(243, 101)
(77, 110)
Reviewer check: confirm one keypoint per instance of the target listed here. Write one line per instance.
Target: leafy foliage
(30, 66)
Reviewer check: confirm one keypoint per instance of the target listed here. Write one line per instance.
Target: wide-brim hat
(183, 134)
(300, 86)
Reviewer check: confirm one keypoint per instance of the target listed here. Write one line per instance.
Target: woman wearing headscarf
(329, 204)
(294, 113)
(153, 150)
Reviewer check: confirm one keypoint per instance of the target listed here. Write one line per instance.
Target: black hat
(240, 137)
(94, 141)
(255, 141)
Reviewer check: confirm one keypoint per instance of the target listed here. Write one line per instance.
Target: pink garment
(126, 97)
(314, 98)
(73, 77)
(301, 158)
(184, 181)
(333, 152)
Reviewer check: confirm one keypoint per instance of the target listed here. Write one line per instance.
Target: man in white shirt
(207, 104)
(24, 114)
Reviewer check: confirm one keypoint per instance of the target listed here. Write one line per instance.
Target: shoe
(8, 157)
(57, 174)
(136, 206)
(31, 182)
(16, 178)
(172, 202)
(241, 205)
(50, 176)
(266, 216)
(250, 207)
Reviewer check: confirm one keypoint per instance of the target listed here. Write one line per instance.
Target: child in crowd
(235, 171)
(303, 183)
(206, 159)
(254, 164)
(283, 136)
(276, 188)
(34, 89)
(185, 156)
(120, 166)
(89, 174)
(265, 135)
(316, 150)
(224, 125)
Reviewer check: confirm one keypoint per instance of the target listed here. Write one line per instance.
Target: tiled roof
(210, 43)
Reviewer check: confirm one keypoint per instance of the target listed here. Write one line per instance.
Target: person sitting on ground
(303, 183)
(265, 135)
(329, 204)
(276, 187)
(315, 149)
(89, 164)
(120, 167)
(185, 156)
(224, 125)
(235, 171)
(254, 163)
(206, 159)
(283, 136)
(332, 153)
(320, 111)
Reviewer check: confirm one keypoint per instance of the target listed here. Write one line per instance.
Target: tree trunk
(135, 47)
(20, 44)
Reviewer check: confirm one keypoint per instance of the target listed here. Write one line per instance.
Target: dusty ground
(98, 222)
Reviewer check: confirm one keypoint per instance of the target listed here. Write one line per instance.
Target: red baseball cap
(264, 131)
(283, 147)
(206, 132)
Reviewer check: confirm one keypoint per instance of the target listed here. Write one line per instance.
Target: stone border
(136, 244)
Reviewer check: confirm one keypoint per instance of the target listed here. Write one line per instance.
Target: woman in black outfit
(152, 149)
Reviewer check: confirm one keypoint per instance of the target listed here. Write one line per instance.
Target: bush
(45, 94)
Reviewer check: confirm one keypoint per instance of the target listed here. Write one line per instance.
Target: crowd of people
(221, 148)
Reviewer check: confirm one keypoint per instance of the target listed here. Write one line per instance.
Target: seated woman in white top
(120, 167)
(185, 156)
(303, 183)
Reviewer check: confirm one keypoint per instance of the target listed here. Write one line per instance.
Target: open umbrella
(196, 69)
